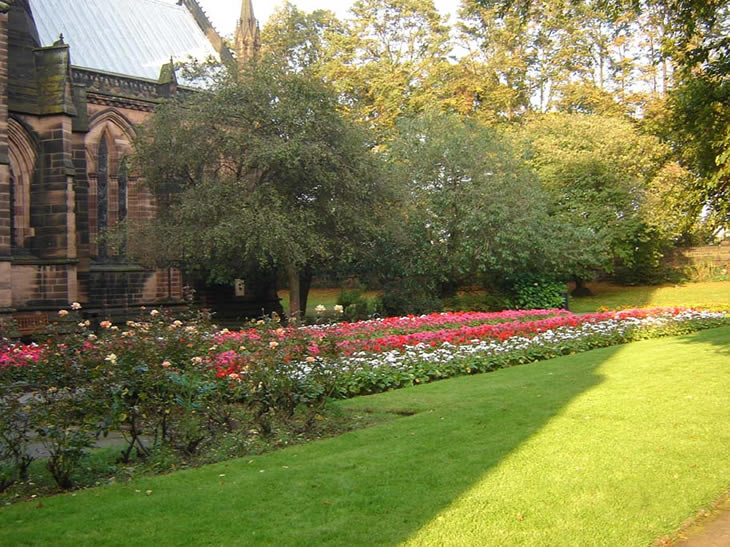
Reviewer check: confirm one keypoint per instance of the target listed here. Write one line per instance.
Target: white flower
(320, 309)
(339, 309)
(63, 313)
(112, 358)
(75, 306)
(154, 313)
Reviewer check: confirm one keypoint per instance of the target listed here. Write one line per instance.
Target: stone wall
(42, 285)
(5, 268)
(717, 255)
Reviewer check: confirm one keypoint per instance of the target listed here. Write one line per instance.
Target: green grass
(325, 297)
(612, 447)
(707, 294)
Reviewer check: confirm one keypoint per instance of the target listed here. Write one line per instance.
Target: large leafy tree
(699, 125)
(598, 172)
(388, 63)
(260, 172)
(301, 41)
(472, 211)
(678, 51)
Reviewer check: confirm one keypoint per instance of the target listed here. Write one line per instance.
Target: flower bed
(375, 328)
(186, 385)
(371, 372)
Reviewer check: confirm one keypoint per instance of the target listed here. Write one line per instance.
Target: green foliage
(299, 40)
(260, 172)
(409, 297)
(473, 213)
(597, 172)
(705, 271)
(529, 291)
(355, 307)
(389, 61)
(16, 427)
(484, 301)
(698, 130)
(623, 57)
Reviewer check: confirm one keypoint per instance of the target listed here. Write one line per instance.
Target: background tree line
(563, 137)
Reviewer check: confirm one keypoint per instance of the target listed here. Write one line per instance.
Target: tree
(260, 172)
(386, 65)
(557, 45)
(699, 129)
(472, 212)
(501, 45)
(597, 171)
(301, 41)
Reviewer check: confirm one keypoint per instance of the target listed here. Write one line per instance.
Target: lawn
(713, 294)
(606, 295)
(611, 447)
(325, 297)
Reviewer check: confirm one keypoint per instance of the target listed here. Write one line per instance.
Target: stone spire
(248, 36)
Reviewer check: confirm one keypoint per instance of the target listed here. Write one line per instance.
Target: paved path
(715, 533)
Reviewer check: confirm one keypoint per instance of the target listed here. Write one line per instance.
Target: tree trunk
(580, 287)
(305, 282)
(295, 307)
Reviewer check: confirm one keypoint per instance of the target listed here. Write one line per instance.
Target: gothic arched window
(102, 193)
(13, 209)
(123, 180)
(22, 156)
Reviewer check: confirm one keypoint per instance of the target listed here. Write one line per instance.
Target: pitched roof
(130, 37)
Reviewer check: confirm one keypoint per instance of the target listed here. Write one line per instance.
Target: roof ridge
(208, 28)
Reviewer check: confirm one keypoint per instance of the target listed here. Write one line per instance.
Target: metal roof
(130, 37)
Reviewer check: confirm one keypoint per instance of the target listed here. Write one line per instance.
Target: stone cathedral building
(76, 78)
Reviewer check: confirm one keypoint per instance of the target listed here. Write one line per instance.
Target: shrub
(409, 297)
(705, 271)
(355, 307)
(486, 302)
(530, 291)
(15, 429)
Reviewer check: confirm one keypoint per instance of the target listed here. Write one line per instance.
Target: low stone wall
(717, 255)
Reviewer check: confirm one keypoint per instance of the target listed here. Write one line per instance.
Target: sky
(224, 13)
